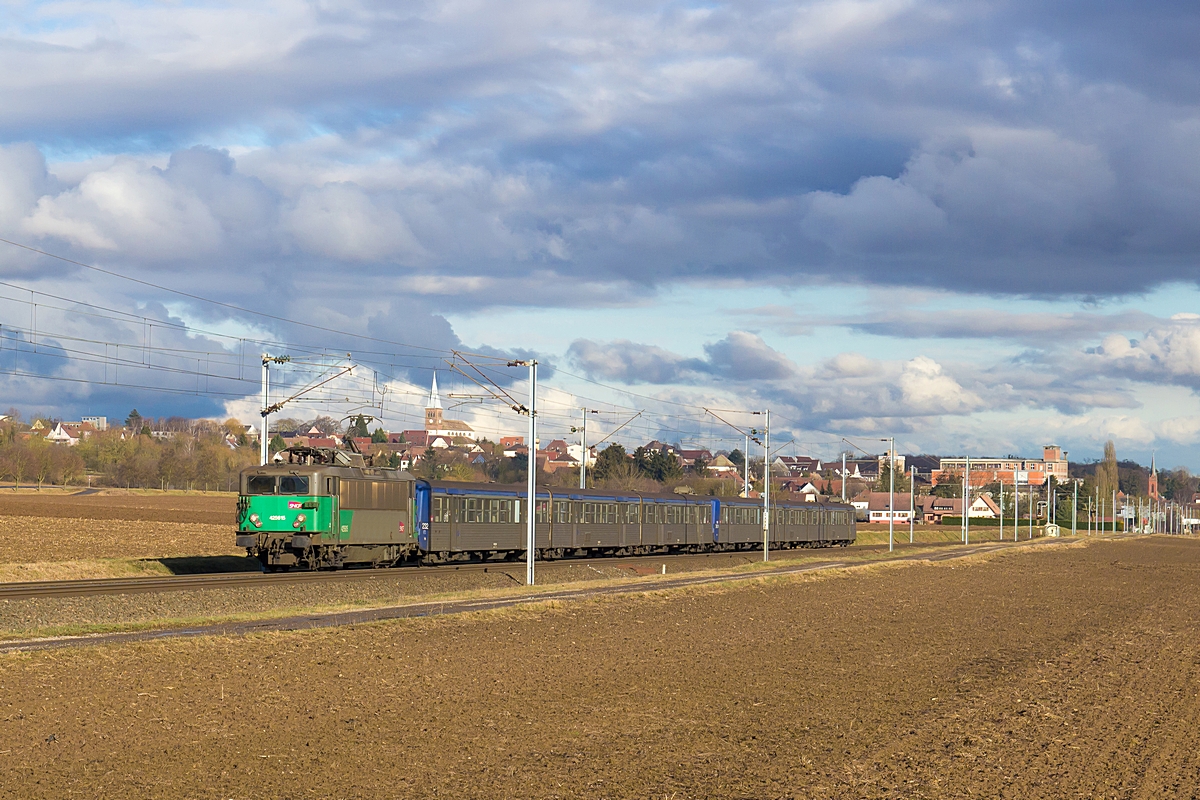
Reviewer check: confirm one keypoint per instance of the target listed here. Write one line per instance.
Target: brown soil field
(1054, 672)
(32, 539)
(109, 504)
(55, 526)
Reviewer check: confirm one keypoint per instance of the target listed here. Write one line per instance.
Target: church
(437, 425)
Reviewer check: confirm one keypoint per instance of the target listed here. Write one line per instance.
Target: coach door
(421, 497)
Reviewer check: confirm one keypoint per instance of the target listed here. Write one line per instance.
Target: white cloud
(342, 222)
(926, 388)
(131, 209)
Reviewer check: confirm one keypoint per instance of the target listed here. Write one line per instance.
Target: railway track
(440, 608)
(232, 580)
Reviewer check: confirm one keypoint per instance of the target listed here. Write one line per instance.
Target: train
(325, 508)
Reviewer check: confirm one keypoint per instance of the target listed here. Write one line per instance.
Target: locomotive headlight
(299, 521)
(256, 520)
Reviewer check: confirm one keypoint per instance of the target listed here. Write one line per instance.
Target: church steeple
(1152, 484)
(435, 400)
(433, 411)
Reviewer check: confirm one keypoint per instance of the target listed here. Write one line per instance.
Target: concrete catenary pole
(583, 454)
(843, 476)
(1114, 508)
(967, 503)
(531, 467)
(1001, 482)
(1074, 508)
(1031, 511)
(746, 468)
(891, 493)
(912, 508)
(1016, 506)
(262, 436)
(767, 490)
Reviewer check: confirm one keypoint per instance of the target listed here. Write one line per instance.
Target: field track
(226, 580)
(426, 609)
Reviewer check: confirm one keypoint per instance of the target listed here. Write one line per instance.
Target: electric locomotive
(319, 507)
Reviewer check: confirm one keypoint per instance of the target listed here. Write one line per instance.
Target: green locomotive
(323, 508)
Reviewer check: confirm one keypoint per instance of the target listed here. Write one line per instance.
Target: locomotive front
(282, 512)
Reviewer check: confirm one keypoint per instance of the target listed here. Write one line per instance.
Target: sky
(971, 226)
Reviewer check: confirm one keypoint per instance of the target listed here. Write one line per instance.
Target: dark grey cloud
(1008, 148)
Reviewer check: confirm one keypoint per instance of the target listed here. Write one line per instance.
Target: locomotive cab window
(260, 484)
(293, 484)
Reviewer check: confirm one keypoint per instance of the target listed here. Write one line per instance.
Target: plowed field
(50, 526)
(1070, 671)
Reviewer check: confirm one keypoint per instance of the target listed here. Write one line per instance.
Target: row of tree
(198, 457)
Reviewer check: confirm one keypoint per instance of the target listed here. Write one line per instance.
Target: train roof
(569, 493)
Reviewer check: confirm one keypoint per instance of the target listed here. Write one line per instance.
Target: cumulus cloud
(1168, 353)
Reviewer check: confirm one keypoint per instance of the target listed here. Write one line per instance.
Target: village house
(688, 458)
(796, 466)
(876, 506)
(70, 433)
(722, 467)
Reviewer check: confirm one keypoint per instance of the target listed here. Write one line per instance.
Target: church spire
(1152, 483)
(434, 400)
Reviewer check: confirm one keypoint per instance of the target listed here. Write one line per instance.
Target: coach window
(470, 509)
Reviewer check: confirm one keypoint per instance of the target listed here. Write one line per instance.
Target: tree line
(196, 456)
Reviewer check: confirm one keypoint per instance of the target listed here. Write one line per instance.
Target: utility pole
(1001, 482)
(1114, 525)
(1031, 511)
